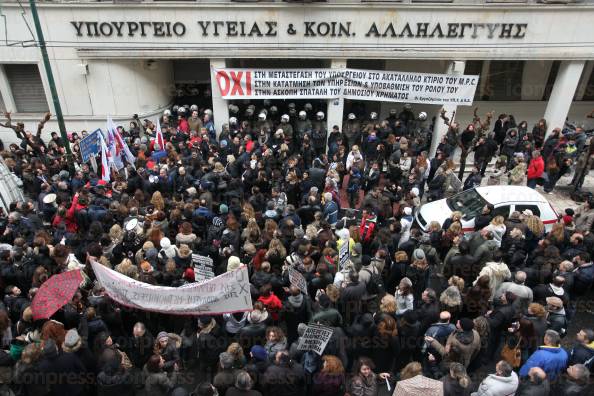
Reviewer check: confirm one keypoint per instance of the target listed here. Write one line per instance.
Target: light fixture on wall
(83, 69)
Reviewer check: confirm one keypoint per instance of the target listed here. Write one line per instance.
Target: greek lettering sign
(315, 338)
(226, 293)
(203, 268)
(385, 86)
(297, 280)
(89, 145)
(343, 253)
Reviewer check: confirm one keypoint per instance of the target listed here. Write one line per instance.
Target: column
(220, 110)
(335, 106)
(440, 128)
(563, 92)
(581, 89)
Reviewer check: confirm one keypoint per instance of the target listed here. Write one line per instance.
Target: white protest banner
(226, 293)
(343, 253)
(203, 268)
(315, 338)
(297, 280)
(378, 85)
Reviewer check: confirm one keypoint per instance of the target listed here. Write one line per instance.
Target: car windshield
(469, 202)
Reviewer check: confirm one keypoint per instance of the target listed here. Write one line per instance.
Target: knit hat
(223, 208)
(365, 260)
(162, 335)
(226, 360)
(407, 211)
(258, 352)
(72, 340)
(418, 254)
(167, 248)
(357, 249)
(189, 275)
(466, 324)
(233, 263)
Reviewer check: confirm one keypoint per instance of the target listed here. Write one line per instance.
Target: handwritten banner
(227, 293)
(297, 280)
(377, 85)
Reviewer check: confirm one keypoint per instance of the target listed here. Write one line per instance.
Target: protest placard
(89, 145)
(226, 293)
(203, 267)
(343, 253)
(297, 280)
(315, 338)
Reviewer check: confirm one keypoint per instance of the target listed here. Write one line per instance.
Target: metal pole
(52, 84)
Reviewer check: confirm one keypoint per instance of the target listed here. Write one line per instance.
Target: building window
(27, 88)
(474, 68)
(589, 92)
(504, 81)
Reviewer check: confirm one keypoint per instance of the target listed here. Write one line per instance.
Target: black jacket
(284, 380)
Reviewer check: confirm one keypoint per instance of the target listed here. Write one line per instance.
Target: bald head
(520, 277)
(537, 375)
(444, 317)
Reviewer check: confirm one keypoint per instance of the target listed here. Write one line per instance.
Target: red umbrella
(54, 293)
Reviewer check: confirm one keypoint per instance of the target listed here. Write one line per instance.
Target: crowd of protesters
(482, 312)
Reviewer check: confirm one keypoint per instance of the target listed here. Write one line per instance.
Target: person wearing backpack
(374, 283)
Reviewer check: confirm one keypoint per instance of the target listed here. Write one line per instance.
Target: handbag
(512, 355)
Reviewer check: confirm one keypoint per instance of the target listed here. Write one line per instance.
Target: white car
(505, 199)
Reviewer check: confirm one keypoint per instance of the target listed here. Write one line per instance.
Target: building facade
(535, 59)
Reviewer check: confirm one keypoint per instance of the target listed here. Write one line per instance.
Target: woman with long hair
(404, 296)
(330, 380)
(364, 381)
(457, 382)
(386, 343)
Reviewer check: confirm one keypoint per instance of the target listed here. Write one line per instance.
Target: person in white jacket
(498, 228)
(503, 383)
(353, 157)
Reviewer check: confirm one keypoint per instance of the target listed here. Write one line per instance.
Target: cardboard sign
(297, 280)
(343, 253)
(203, 268)
(315, 338)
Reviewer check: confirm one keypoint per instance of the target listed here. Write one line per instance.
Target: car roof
(502, 194)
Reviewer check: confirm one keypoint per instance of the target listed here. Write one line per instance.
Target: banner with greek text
(378, 85)
(225, 293)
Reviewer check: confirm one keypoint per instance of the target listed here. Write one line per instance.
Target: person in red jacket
(535, 169)
(272, 303)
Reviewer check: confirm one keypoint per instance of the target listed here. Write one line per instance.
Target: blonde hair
(235, 350)
(388, 304)
(411, 370)
(434, 226)
(456, 215)
(157, 201)
(497, 220)
(535, 225)
(455, 228)
(456, 281)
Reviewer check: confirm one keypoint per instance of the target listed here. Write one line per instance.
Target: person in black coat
(112, 380)
(351, 298)
(283, 377)
(296, 309)
(208, 345)
(428, 309)
(387, 345)
(409, 334)
(62, 367)
(139, 347)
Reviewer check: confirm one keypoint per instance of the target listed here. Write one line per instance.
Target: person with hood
(207, 344)
(550, 357)
(296, 309)
(535, 169)
(503, 383)
(462, 345)
(582, 351)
